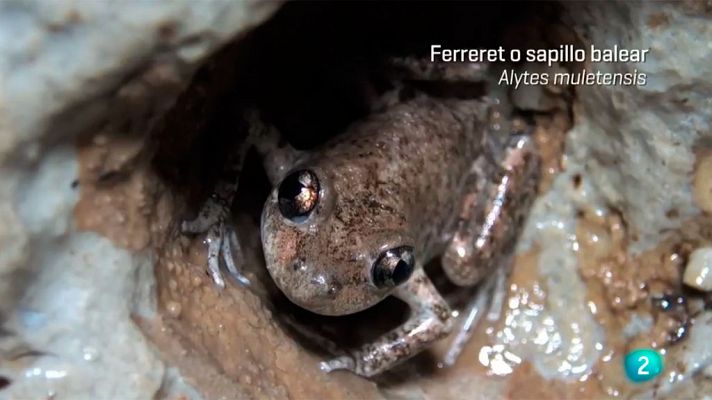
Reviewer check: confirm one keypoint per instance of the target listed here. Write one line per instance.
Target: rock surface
(639, 145)
(66, 297)
(631, 155)
(85, 217)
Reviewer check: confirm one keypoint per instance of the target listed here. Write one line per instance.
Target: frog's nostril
(333, 290)
(299, 265)
(324, 287)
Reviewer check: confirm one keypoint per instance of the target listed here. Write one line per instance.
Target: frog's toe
(221, 239)
(343, 362)
(215, 240)
(223, 245)
(233, 256)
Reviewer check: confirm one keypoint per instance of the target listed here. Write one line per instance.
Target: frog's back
(413, 158)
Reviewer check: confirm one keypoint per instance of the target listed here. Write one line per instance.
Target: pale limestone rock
(67, 296)
(698, 272)
(637, 143)
(635, 149)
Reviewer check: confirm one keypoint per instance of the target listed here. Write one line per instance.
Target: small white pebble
(698, 272)
(702, 182)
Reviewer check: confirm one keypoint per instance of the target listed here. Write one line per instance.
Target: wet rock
(66, 297)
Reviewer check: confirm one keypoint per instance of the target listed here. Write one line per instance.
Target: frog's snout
(315, 290)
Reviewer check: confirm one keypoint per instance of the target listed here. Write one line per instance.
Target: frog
(354, 220)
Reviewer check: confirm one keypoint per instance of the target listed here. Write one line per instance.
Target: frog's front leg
(214, 216)
(430, 320)
(278, 156)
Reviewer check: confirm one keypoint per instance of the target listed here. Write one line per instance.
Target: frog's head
(334, 241)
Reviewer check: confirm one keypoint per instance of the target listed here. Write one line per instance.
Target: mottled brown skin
(424, 173)
(388, 181)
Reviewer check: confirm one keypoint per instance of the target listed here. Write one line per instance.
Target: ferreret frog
(355, 220)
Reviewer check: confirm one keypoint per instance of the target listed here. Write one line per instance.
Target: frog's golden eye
(298, 195)
(393, 267)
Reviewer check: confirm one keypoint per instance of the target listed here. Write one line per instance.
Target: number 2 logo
(642, 365)
(646, 361)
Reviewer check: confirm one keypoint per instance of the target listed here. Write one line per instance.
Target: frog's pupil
(393, 267)
(401, 272)
(298, 194)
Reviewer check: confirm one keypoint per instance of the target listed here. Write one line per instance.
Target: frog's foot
(221, 239)
(489, 298)
(430, 320)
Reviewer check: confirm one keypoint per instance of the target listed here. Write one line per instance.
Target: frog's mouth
(321, 294)
(313, 289)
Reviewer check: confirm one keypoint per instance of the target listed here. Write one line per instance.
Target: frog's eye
(393, 267)
(298, 195)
